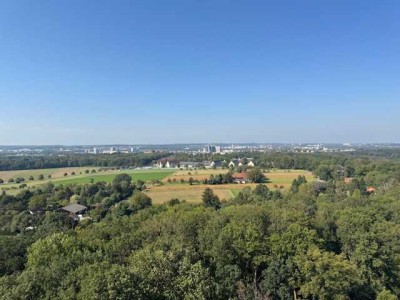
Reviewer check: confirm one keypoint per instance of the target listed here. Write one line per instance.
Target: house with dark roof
(234, 163)
(241, 162)
(218, 163)
(169, 162)
(74, 210)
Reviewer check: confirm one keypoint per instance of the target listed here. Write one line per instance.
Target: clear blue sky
(95, 72)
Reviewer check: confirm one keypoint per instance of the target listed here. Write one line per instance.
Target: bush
(19, 179)
(140, 201)
(173, 201)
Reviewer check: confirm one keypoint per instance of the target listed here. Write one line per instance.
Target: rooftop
(239, 175)
(74, 208)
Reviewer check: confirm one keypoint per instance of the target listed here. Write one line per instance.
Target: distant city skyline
(166, 72)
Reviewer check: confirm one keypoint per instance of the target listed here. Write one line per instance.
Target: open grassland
(192, 193)
(57, 176)
(195, 174)
(159, 194)
(54, 173)
(285, 177)
(276, 176)
(144, 175)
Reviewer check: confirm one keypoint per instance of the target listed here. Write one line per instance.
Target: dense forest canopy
(322, 239)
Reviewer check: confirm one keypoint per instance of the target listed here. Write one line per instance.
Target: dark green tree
(256, 176)
(210, 199)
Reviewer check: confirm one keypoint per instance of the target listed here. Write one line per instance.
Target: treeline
(78, 160)
(374, 166)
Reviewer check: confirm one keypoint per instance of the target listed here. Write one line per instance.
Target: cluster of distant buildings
(124, 149)
(172, 163)
(212, 149)
(110, 150)
(195, 149)
(312, 148)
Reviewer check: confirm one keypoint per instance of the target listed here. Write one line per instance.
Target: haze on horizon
(154, 72)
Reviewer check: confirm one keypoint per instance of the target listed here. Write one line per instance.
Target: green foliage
(326, 241)
(173, 201)
(297, 183)
(13, 253)
(38, 202)
(220, 179)
(8, 162)
(386, 295)
(326, 274)
(103, 281)
(122, 178)
(255, 175)
(139, 201)
(210, 199)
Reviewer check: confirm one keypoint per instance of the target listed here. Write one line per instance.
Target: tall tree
(210, 199)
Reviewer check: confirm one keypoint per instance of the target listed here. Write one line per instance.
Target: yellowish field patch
(192, 193)
(195, 174)
(279, 177)
(55, 173)
(285, 177)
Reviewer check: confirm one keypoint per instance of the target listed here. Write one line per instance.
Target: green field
(159, 194)
(145, 175)
(57, 176)
(234, 193)
(54, 173)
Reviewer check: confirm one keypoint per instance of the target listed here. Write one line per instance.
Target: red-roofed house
(240, 177)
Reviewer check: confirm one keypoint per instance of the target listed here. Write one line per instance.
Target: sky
(191, 71)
